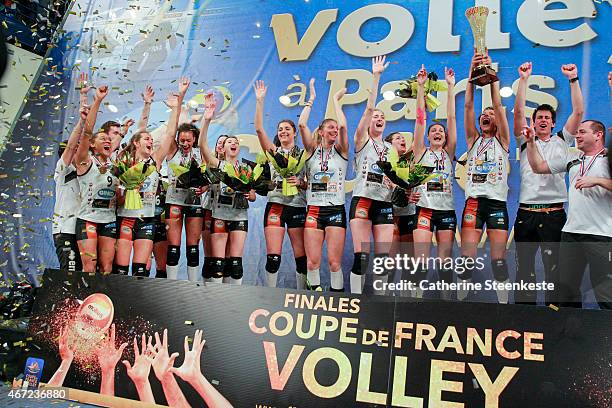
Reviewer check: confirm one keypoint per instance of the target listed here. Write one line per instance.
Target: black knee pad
(193, 255)
(139, 269)
(500, 269)
(384, 270)
(173, 255)
(207, 267)
(235, 267)
(360, 263)
(469, 268)
(217, 265)
(301, 265)
(273, 263)
(120, 270)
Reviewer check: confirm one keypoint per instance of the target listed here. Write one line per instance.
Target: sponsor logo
(91, 228)
(423, 221)
(375, 169)
(468, 217)
(127, 230)
(106, 193)
(386, 211)
(175, 210)
(362, 213)
(273, 218)
(219, 223)
(320, 175)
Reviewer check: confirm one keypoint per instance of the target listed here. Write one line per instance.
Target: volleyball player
(136, 227)
(486, 187)
(229, 225)
(95, 225)
(435, 209)
(371, 209)
(67, 200)
(326, 172)
(179, 208)
(282, 211)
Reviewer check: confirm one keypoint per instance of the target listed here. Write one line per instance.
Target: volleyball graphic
(95, 315)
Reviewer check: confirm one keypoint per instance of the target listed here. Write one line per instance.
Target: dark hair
(597, 126)
(131, 146)
(93, 137)
(188, 127)
(291, 123)
(318, 138)
(219, 138)
(389, 137)
(109, 124)
(547, 108)
(443, 128)
(61, 147)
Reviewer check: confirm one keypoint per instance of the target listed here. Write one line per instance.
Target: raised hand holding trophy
(482, 74)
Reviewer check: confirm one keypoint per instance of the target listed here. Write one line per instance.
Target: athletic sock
(272, 279)
(234, 281)
(172, 271)
(356, 283)
(300, 280)
(337, 281)
(502, 294)
(314, 278)
(193, 273)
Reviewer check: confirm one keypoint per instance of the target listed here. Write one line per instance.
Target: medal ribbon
(325, 160)
(481, 148)
(440, 162)
(584, 170)
(380, 153)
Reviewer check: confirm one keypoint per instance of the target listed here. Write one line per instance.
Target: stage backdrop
(284, 348)
(225, 45)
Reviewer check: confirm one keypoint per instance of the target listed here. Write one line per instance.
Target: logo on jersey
(375, 169)
(323, 176)
(106, 193)
(219, 223)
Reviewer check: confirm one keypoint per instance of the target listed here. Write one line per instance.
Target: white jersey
(97, 191)
(487, 170)
(276, 195)
(370, 182)
(589, 209)
(148, 195)
(437, 194)
(176, 195)
(326, 171)
(67, 200)
(544, 188)
(223, 202)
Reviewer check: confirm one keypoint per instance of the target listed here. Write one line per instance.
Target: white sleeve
(568, 137)
(558, 163)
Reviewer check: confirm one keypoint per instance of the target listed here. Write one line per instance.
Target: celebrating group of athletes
(93, 231)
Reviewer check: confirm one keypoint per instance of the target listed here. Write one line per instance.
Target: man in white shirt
(541, 215)
(587, 235)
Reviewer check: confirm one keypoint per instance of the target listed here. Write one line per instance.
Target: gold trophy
(477, 16)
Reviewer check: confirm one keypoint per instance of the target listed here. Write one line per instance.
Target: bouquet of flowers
(406, 174)
(194, 176)
(408, 89)
(288, 165)
(244, 177)
(132, 176)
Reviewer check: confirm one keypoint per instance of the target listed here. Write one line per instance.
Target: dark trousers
(532, 231)
(576, 252)
(67, 252)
